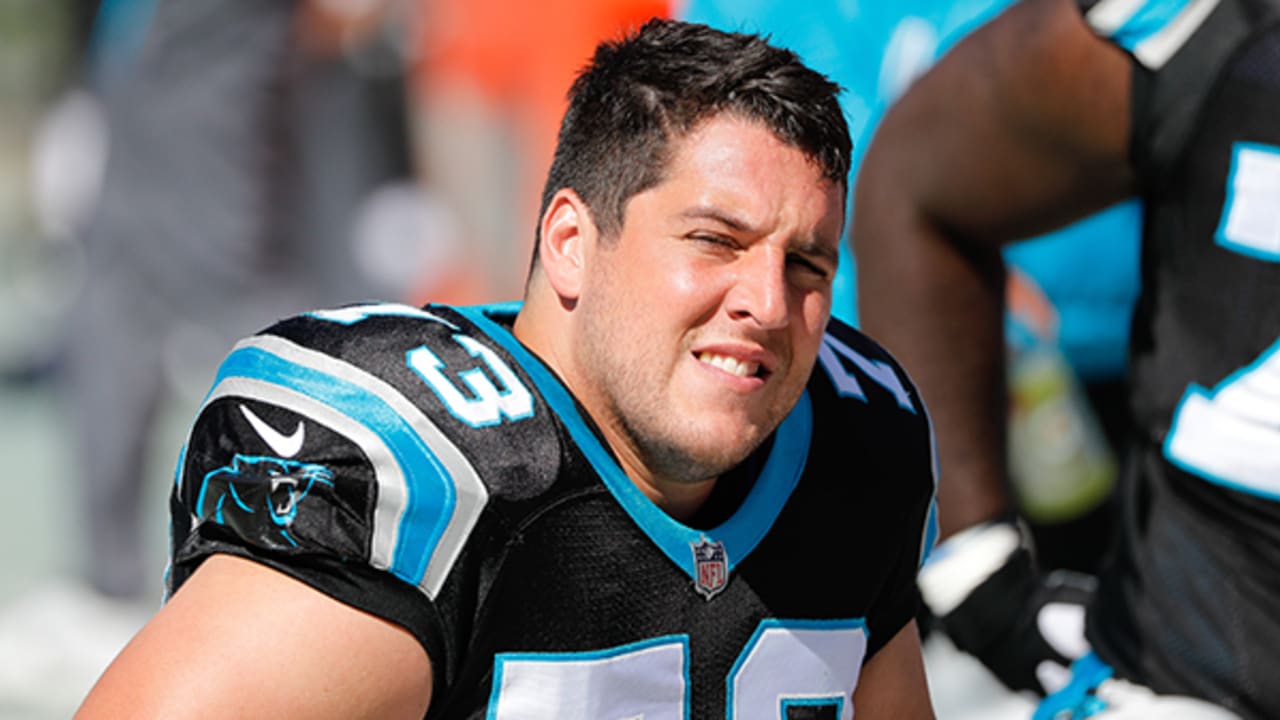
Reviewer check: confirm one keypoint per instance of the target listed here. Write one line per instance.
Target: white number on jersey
(1231, 435)
(353, 314)
(784, 665)
(486, 405)
(847, 383)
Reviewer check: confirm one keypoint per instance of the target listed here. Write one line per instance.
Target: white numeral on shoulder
(487, 404)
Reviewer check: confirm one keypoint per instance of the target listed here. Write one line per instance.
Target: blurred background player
(205, 167)
(202, 223)
(1030, 122)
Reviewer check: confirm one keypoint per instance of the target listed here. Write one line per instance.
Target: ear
(568, 231)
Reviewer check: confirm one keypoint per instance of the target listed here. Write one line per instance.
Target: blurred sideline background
(173, 179)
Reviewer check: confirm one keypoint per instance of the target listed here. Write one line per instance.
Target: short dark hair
(641, 92)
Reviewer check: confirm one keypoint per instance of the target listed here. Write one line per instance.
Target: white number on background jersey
(1231, 435)
(784, 665)
(487, 404)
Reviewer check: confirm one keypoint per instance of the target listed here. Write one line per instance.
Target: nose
(759, 293)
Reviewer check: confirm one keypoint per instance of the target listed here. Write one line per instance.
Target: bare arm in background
(893, 685)
(1018, 130)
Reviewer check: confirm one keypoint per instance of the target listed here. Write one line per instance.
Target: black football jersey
(1194, 610)
(424, 466)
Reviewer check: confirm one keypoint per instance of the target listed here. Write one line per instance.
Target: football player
(1053, 110)
(663, 486)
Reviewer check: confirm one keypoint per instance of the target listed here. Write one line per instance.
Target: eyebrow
(708, 212)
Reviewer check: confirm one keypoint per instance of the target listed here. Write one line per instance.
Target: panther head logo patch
(259, 496)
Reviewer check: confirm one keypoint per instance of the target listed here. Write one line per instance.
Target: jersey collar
(740, 533)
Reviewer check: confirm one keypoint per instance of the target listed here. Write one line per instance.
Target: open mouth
(733, 366)
(284, 495)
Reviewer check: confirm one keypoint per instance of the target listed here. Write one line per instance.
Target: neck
(683, 500)
(680, 499)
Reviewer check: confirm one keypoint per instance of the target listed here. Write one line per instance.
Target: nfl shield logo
(711, 567)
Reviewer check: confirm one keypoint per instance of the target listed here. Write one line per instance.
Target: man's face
(702, 319)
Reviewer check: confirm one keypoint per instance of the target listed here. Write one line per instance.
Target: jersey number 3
(486, 404)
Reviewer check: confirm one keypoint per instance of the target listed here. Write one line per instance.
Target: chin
(725, 450)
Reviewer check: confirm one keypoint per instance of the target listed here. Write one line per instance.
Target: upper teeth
(733, 366)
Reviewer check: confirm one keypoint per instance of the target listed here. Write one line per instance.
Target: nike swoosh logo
(286, 446)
